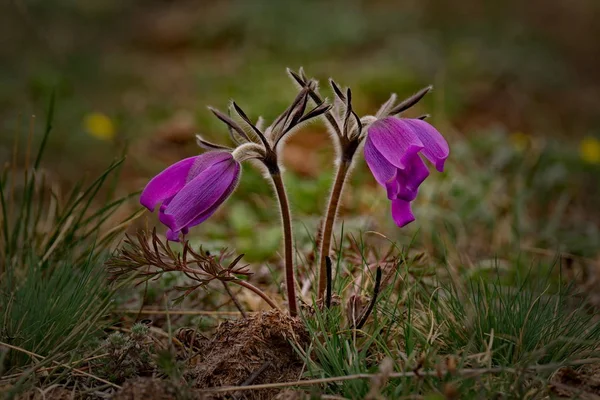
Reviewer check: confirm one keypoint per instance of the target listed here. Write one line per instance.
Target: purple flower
(392, 153)
(191, 190)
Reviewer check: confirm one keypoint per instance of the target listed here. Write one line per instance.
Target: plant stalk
(287, 239)
(235, 300)
(256, 290)
(327, 231)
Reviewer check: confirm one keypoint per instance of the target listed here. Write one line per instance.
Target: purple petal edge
(436, 148)
(200, 195)
(402, 212)
(205, 215)
(383, 171)
(166, 184)
(395, 140)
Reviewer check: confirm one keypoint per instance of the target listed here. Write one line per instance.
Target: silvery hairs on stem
(348, 132)
(341, 120)
(348, 129)
(252, 141)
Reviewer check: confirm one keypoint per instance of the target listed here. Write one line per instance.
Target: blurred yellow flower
(99, 126)
(519, 140)
(589, 150)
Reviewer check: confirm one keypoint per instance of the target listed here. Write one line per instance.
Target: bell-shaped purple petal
(191, 190)
(392, 150)
(380, 167)
(202, 195)
(402, 213)
(166, 184)
(170, 181)
(409, 179)
(395, 140)
(435, 147)
(210, 211)
(162, 217)
(206, 160)
(399, 183)
(172, 236)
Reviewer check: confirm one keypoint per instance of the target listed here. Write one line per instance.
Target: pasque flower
(393, 149)
(191, 190)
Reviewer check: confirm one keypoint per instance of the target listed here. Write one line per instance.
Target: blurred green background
(516, 93)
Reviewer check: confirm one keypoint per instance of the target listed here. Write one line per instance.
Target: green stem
(287, 240)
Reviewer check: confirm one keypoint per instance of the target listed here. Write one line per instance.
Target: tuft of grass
(476, 337)
(396, 330)
(516, 324)
(37, 220)
(54, 296)
(52, 313)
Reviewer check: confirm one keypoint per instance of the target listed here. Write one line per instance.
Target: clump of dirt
(53, 392)
(254, 350)
(148, 389)
(290, 394)
(582, 383)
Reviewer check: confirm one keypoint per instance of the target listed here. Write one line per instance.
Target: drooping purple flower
(191, 190)
(392, 152)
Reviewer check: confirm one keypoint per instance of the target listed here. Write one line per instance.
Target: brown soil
(583, 383)
(292, 395)
(252, 351)
(53, 392)
(148, 389)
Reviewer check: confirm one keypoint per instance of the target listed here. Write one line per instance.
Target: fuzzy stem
(327, 232)
(287, 239)
(256, 290)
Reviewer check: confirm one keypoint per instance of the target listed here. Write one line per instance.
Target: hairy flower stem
(332, 208)
(287, 239)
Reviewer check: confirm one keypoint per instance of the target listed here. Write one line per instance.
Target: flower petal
(167, 220)
(392, 187)
(402, 213)
(395, 140)
(436, 148)
(166, 184)
(206, 160)
(209, 212)
(170, 181)
(172, 236)
(409, 179)
(162, 217)
(207, 190)
(380, 167)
